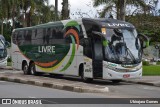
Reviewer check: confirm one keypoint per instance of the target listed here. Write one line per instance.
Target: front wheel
(116, 81)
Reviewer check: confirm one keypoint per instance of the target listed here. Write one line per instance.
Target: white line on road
(2, 81)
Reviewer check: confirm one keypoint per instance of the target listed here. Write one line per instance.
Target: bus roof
(110, 23)
(103, 22)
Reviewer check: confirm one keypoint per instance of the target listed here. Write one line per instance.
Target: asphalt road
(15, 90)
(121, 90)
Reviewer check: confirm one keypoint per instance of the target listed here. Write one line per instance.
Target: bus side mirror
(144, 40)
(7, 44)
(97, 33)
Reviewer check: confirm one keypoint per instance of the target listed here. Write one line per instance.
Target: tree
(36, 12)
(3, 13)
(119, 5)
(65, 10)
(56, 9)
(14, 10)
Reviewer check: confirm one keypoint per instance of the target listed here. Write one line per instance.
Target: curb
(143, 83)
(66, 87)
(7, 68)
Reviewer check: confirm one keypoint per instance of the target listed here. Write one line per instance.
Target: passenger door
(97, 57)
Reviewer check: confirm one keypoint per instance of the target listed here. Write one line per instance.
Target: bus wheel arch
(81, 68)
(25, 67)
(81, 74)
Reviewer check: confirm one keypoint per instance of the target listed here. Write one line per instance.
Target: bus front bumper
(112, 75)
(3, 63)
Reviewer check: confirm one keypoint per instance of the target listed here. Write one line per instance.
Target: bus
(3, 51)
(90, 48)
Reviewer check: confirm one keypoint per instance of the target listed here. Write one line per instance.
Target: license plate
(126, 75)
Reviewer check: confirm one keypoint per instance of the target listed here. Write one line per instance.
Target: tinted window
(37, 37)
(89, 27)
(14, 36)
(20, 38)
(27, 37)
(56, 35)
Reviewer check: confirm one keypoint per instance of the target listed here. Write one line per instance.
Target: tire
(84, 79)
(25, 69)
(55, 75)
(116, 81)
(32, 69)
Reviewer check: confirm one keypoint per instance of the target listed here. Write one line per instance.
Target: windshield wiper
(131, 55)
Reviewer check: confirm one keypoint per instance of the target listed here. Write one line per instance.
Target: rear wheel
(25, 68)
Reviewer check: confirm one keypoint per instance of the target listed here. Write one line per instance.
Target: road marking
(148, 88)
(2, 81)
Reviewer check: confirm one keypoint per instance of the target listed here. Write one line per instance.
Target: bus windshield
(123, 46)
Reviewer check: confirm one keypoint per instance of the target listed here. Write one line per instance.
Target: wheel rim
(25, 69)
(32, 70)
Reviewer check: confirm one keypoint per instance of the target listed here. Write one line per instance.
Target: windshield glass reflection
(123, 46)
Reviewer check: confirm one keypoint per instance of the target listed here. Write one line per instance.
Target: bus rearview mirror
(144, 40)
(7, 44)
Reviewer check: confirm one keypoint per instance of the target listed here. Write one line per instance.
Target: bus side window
(91, 27)
(54, 33)
(35, 33)
(29, 35)
(20, 38)
(59, 32)
(44, 35)
(48, 33)
(14, 36)
(39, 37)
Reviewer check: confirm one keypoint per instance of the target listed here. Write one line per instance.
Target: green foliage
(9, 59)
(151, 70)
(9, 64)
(147, 24)
(158, 63)
(118, 5)
(35, 12)
(146, 63)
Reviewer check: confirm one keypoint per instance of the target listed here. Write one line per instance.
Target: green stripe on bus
(72, 55)
(72, 23)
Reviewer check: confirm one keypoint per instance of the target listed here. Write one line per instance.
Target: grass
(151, 70)
(9, 64)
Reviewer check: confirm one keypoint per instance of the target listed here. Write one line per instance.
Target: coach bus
(89, 48)
(3, 51)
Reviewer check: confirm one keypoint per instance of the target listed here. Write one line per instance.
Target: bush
(146, 63)
(158, 63)
(9, 59)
